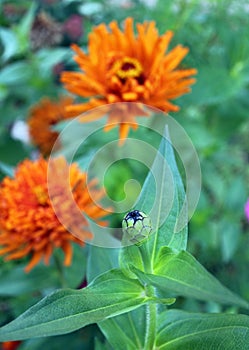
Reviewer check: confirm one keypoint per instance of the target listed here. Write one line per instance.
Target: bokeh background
(35, 39)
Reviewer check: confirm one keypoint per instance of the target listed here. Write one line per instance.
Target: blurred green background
(215, 115)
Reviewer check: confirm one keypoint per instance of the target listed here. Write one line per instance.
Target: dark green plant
(131, 289)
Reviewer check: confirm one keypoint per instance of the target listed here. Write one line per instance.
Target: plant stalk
(151, 308)
(151, 321)
(60, 271)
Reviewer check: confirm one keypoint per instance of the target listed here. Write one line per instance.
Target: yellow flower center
(127, 67)
(41, 194)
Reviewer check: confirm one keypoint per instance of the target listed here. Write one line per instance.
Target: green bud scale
(137, 226)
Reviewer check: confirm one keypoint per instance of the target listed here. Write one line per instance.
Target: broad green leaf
(128, 329)
(163, 199)
(179, 330)
(15, 73)
(9, 43)
(67, 310)
(179, 273)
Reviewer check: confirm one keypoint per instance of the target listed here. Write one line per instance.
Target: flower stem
(59, 267)
(151, 321)
(151, 308)
(146, 256)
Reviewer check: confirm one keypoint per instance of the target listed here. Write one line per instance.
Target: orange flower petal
(44, 115)
(34, 261)
(30, 226)
(67, 248)
(122, 66)
(123, 131)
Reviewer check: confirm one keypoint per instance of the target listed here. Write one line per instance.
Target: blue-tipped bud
(137, 226)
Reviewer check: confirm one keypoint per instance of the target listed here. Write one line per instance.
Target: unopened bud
(137, 226)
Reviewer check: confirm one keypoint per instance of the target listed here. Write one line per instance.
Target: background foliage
(215, 115)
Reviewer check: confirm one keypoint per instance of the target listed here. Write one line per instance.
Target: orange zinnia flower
(124, 67)
(31, 203)
(42, 117)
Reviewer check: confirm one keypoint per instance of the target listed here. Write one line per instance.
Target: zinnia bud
(137, 226)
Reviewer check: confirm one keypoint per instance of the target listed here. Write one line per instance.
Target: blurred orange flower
(31, 203)
(123, 67)
(11, 345)
(42, 117)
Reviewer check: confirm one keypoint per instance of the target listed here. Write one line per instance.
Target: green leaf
(27, 20)
(68, 310)
(15, 73)
(128, 329)
(89, 9)
(74, 275)
(162, 198)
(6, 169)
(47, 58)
(22, 29)
(215, 84)
(11, 150)
(180, 330)
(16, 281)
(179, 273)
(9, 43)
(131, 255)
(229, 237)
